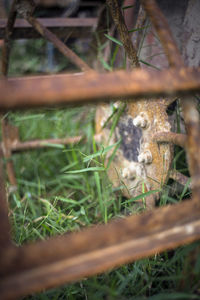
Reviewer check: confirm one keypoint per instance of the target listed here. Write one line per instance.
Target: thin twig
(123, 32)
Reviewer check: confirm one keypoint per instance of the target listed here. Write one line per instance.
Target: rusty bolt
(145, 157)
(140, 121)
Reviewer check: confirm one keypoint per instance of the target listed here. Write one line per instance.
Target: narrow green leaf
(185, 188)
(143, 195)
(148, 64)
(96, 169)
(116, 119)
(71, 201)
(113, 154)
(103, 151)
(105, 64)
(126, 7)
(30, 117)
(113, 39)
(114, 55)
(98, 185)
(60, 146)
(69, 166)
(138, 29)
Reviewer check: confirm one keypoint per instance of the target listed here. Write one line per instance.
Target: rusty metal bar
(5, 236)
(37, 144)
(16, 146)
(64, 259)
(8, 134)
(161, 25)
(5, 65)
(171, 137)
(8, 34)
(61, 27)
(191, 118)
(180, 178)
(25, 9)
(190, 112)
(93, 87)
(75, 59)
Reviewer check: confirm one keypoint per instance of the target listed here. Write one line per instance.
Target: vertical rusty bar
(5, 65)
(5, 237)
(191, 118)
(7, 131)
(188, 104)
(8, 33)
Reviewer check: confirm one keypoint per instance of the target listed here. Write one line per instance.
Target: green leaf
(52, 145)
(126, 7)
(29, 117)
(103, 151)
(113, 154)
(114, 39)
(99, 193)
(148, 64)
(143, 195)
(95, 169)
(185, 188)
(116, 119)
(114, 55)
(105, 64)
(138, 29)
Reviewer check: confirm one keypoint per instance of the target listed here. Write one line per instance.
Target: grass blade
(113, 40)
(141, 196)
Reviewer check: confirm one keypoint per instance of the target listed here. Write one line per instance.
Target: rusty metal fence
(59, 260)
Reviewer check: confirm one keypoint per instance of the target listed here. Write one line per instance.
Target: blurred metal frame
(59, 260)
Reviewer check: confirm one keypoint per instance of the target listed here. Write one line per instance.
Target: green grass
(65, 188)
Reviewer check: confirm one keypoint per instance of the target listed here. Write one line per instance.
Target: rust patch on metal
(130, 139)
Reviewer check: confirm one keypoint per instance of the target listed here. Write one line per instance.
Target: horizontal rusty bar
(180, 178)
(74, 256)
(171, 137)
(93, 87)
(36, 144)
(62, 27)
(17, 146)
